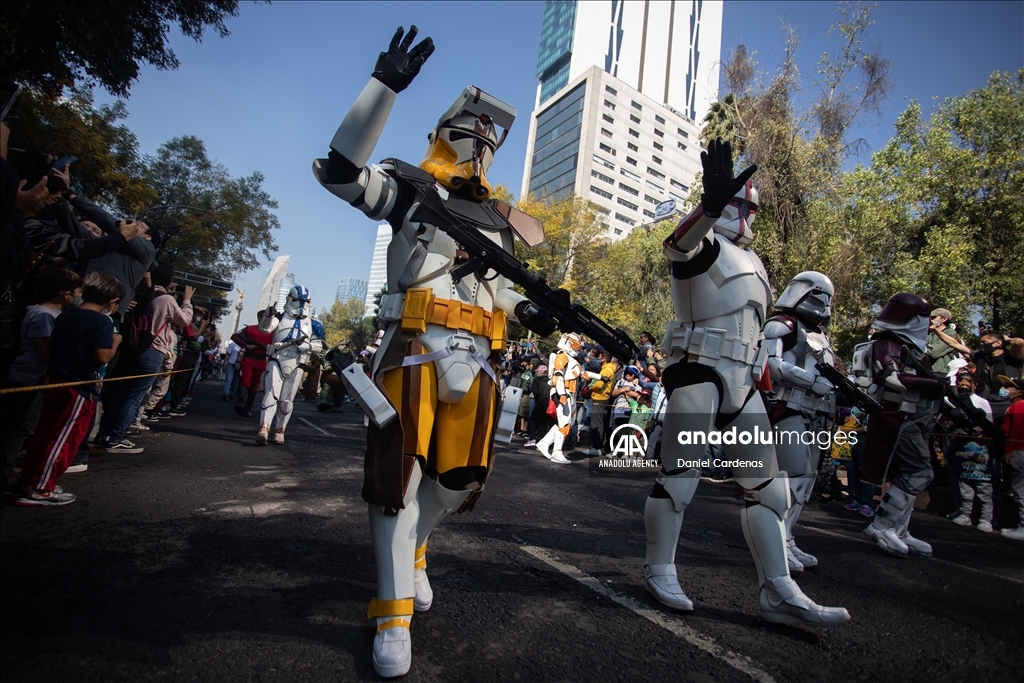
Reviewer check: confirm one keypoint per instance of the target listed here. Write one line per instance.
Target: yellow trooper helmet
(570, 342)
(462, 145)
(738, 216)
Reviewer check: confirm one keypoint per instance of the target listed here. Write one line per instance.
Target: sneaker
(177, 412)
(590, 450)
(26, 497)
(985, 526)
(77, 467)
(1016, 534)
(852, 506)
(123, 446)
(866, 511)
(962, 520)
(530, 444)
(138, 428)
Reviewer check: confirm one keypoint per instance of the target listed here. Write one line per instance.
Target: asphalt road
(207, 558)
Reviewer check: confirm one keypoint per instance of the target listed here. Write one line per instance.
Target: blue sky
(270, 96)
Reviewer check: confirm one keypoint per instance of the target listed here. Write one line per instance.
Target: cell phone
(44, 249)
(65, 161)
(9, 91)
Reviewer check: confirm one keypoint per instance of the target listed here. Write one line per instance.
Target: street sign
(665, 209)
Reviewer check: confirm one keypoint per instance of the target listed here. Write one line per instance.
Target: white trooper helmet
(906, 316)
(808, 296)
(737, 217)
(570, 342)
(462, 145)
(297, 303)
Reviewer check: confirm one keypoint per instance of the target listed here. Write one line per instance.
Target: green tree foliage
(210, 222)
(60, 43)
(345, 321)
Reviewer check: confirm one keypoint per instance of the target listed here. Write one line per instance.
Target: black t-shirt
(987, 379)
(77, 333)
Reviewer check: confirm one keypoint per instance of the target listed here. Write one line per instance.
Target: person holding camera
(944, 345)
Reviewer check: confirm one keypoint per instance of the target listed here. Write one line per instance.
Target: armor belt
(710, 343)
(798, 398)
(420, 307)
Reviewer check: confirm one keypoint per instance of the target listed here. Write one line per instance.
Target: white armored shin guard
(436, 502)
(800, 488)
(663, 518)
(891, 518)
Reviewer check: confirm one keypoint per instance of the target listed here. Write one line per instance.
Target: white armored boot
(800, 488)
(556, 451)
(394, 545)
(663, 518)
(544, 445)
(915, 546)
(780, 599)
(888, 515)
(435, 503)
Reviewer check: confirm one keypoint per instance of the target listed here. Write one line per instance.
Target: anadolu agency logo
(628, 441)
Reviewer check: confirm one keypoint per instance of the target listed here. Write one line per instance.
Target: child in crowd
(83, 340)
(56, 289)
(975, 477)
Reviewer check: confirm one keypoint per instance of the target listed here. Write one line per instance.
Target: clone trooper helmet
(738, 216)
(462, 145)
(297, 303)
(571, 342)
(808, 296)
(906, 316)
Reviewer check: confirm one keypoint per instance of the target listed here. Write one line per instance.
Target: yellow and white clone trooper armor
(434, 365)
(296, 337)
(565, 374)
(804, 400)
(721, 295)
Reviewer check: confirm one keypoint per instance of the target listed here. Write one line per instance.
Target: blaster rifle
(485, 255)
(965, 414)
(848, 389)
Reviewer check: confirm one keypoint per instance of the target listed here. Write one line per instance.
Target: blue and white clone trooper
(796, 341)
(296, 336)
(721, 295)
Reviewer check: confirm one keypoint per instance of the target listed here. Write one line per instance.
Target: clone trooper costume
(796, 341)
(897, 439)
(565, 374)
(434, 365)
(721, 295)
(296, 336)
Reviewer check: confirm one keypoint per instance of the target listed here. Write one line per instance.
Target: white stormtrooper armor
(565, 374)
(796, 342)
(296, 337)
(721, 296)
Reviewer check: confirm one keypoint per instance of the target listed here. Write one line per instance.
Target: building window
(632, 147)
(608, 118)
(625, 219)
(605, 132)
(637, 105)
(649, 214)
(630, 190)
(681, 146)
(618, 231)
(658, 146)
(604, 193)
(603, 211)
(606, 148)
(655, 159)
(652, 200)
(631, 161)
(610, 90)
(630, 175)
(657, 188)
(659, 133)
(656, 173)
(682, 133)
(634, 133)
(628, 205)
(676, 197)
(602, 176)
(682, 187)
(634, 118)
(604, 162)
(659, 119)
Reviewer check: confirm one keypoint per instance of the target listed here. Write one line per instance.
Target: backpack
(137, 325)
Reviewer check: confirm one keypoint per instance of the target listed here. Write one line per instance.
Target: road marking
(688, 634)
(847, 537)
(325, 433)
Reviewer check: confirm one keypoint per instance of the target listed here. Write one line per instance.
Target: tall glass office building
(622, 88)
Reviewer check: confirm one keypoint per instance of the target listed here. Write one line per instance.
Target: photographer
(998, 355)
(944, 345)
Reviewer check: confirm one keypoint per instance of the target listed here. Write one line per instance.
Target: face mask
(964, 391)
(78, 300)
(1003, 393)
(988, 348)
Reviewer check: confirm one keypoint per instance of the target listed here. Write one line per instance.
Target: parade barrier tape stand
(42, 387)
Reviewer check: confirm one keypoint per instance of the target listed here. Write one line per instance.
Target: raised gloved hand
(719, 185)
(399, 65)
(534, 319)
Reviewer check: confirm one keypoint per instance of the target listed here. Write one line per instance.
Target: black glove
(534, 319)
(398, 66)
(719, 185)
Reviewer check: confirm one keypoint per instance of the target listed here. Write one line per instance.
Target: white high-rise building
(379, 265)
(271, 292)
(622, 89)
